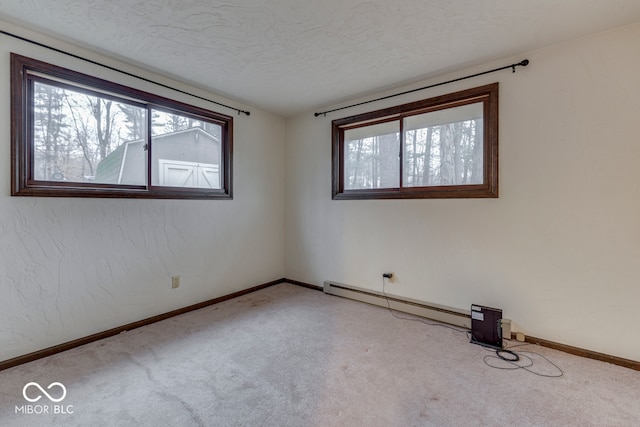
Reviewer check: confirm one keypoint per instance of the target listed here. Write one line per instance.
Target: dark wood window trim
(25, 70)
(488, 95)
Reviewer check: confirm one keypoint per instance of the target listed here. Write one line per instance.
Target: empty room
(332, 213)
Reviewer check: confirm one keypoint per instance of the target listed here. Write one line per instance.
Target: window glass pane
(372, 156)
(80, 137)
(75, 135)
(444, 147)
(186, 152)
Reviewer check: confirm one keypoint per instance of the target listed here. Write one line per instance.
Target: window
(74, 135)
(443, 147)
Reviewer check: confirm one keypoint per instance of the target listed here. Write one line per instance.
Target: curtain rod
(522, 63)
(121, 71)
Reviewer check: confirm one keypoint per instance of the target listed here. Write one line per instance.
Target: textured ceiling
(287, 56)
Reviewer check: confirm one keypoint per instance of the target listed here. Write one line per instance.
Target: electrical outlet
(175, 282)
(389, 276)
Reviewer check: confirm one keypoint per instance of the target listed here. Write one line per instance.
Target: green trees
(444, 154)
(74, 131)
(50, 132)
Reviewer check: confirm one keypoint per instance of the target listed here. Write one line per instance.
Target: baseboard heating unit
(452, 316)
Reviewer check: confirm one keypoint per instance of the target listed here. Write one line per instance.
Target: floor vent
(452, 316)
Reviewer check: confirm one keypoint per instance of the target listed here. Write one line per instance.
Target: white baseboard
(440, 313)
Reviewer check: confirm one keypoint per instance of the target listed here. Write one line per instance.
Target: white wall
(73, 267)
(558, 251)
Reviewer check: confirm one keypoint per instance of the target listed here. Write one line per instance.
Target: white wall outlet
(175, 282)
(389, 277)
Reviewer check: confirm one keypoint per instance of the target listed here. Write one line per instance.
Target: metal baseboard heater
(449, 315)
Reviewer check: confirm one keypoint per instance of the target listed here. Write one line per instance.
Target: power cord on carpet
(512, 365)
(512, 359)
(513, 356)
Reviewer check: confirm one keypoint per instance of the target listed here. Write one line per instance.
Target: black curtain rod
(522, 63)
(6, 33)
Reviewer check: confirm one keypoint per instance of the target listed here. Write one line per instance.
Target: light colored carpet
(291, 356)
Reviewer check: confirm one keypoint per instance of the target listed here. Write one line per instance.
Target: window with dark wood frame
(442, 147)
(74, 135)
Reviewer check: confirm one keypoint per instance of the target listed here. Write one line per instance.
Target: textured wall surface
(558, 251)
(73, 267)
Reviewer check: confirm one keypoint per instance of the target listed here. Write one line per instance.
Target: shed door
(175, 173)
